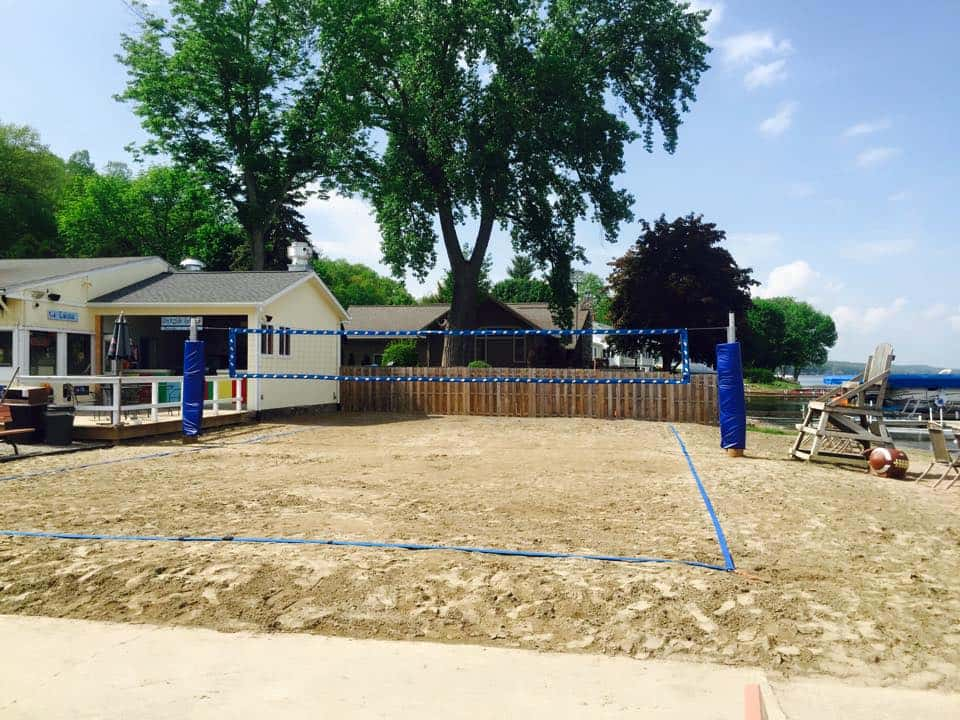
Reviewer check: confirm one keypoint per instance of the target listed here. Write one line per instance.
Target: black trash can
(59, 424)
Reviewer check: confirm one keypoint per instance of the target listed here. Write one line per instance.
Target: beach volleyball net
(281, 353)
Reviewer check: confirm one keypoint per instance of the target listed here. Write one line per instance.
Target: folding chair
(942, 455)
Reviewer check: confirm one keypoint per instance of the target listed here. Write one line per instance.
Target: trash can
(59, 425)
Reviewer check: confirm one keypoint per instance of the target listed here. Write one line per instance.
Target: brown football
(889, 462)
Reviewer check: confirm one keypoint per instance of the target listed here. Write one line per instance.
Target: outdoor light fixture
(268, 317)
(53, 296)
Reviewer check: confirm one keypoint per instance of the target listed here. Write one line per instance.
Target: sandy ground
(78, 669)
(855, 577)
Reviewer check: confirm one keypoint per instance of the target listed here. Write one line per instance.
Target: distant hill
(842, 367)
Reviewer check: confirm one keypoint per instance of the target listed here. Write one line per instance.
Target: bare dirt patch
(858, 577)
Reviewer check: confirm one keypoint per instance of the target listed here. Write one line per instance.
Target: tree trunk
(257, 235)
(459, 350)
(463, 315)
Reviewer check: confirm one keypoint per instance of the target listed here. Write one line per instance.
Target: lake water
(785, 411)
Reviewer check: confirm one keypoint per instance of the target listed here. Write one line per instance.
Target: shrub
(401, 353)
(479, 364)
(763, 376)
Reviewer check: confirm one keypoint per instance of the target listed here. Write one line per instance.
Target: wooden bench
(6, 415)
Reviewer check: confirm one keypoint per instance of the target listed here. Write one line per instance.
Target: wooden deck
(86, 427)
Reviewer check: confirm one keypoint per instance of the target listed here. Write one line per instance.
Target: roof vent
(191, 265)
(300, 254)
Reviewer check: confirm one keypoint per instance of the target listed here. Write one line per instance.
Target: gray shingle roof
(393, 317)
(417, 317)
(29, 271)
(204, 288)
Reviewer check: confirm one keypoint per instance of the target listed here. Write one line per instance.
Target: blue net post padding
(733, 406)
(193, 387)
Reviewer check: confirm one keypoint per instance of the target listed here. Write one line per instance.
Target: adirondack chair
(7, 436)
(842, 425)
(942, 455)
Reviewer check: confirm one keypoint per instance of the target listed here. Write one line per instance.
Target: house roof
(212, 288)
(418, 317)
(26, 272)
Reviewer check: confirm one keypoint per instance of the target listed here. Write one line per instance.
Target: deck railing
(110, 398)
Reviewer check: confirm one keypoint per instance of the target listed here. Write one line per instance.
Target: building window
(43, 353)
(78, 354)
(520, 350)
(6, 348)
(283, 343)
(266, 341)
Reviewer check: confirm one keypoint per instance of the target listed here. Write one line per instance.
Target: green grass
(775, 385)
(767, 429)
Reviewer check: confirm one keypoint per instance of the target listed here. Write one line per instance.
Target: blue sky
(822, 142)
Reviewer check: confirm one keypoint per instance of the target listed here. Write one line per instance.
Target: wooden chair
(942, 455)
(842, 425)
(6, 415)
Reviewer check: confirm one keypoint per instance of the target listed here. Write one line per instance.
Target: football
(889, 462)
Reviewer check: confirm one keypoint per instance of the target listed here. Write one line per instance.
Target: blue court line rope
(353, 543)
(462, 333)
(682, 380)
(721, 538)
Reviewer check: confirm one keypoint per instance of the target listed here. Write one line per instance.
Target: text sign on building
(179, 323)
(63, 315)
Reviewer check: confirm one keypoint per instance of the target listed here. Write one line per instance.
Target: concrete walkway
(76, 669)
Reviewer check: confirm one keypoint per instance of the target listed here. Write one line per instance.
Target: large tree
(593, 291)
(165, 211)
(520, 285)
(235, 89)
(764, 342)
(31, 182)
(677, 275)
(357, 284)
(808, 335)
(512, 113)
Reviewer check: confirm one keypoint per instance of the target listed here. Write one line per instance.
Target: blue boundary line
(353, 543)
(721, 538)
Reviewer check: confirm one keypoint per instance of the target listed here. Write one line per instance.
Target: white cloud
(766, 75)
(751, 46)
(795, 278)
(899, 196)
(874, 157)
(344, 227)
(780, 121)
(955, 322)
(867, 320)
(716, 9)
(866, 128)
(801, 190)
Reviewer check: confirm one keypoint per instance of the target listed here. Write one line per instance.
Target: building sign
(179, 323)
(63, 315)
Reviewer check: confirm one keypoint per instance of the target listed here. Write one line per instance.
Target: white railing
(112, 396)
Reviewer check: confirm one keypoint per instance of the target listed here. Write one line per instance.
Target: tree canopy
(234, 90)
(31, 181)
(677, 275)
(506, 113)
(592, 290)
(808, 334)
(520, 285)
(164, 211)
(764, 342)
(357, 284)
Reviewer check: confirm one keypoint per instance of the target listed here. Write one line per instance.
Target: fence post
(116, 401)
(154, 400)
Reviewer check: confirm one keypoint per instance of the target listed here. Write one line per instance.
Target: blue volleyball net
(281, 353)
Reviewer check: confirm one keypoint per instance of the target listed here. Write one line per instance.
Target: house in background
(518, 351)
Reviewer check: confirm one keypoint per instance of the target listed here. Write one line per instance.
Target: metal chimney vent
(191, 265)
(300, 254)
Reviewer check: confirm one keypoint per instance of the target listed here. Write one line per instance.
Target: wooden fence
(696, 402)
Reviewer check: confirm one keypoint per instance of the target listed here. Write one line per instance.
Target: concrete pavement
(54, 668)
